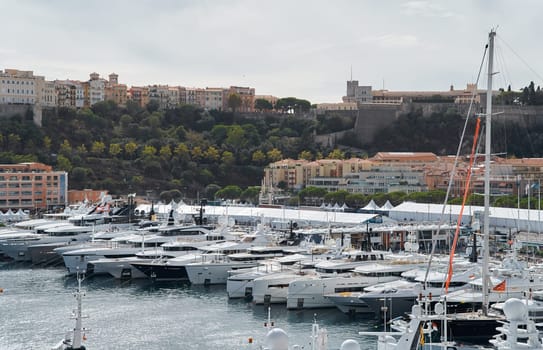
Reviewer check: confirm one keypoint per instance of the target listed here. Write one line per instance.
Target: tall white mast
(486, 229)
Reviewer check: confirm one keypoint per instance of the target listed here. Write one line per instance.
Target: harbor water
(36, 305)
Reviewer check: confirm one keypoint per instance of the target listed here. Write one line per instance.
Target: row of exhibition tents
(13, 216)
(370, 208)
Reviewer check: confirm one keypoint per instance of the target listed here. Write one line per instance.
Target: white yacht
(170, 270)
(401, 295)
(332, 276)
(273, 288)
(214, 268)
(511, 279)
(239, 283)
(17, 248)
(121, 268)
(347, 301)
(77, 260)
(156, 236)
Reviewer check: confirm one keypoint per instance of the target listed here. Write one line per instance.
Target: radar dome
(350, 344)
(277, 339)
(515, 310)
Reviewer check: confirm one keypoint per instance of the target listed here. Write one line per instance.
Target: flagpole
(538, 207)
(518, 202)
(529, 190)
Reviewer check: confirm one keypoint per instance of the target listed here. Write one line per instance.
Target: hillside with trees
(143, 149)
(190, 152)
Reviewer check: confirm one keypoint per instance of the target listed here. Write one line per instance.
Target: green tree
(212, 154)
(355, 200)
(79, 174)
(137, 179)
(336, 197)
(336, 154)
(292, 104)
(148, 151)
(126, 120)
(263, 105)
(153, 106)
(250, 194)
(258, 157)
(227, 158)
(210, 190)
(165, 152)
(65, 148)
(274, 155)
(115, 149)
(235, 138)
(130, 149)
(219, 133)
(306, 155)
(82, 150)
(197, 153)
(234, 101)
(229, 192)
(98, 148)
(182, 151)
(46, 142)
(14, 142)
(64, 163)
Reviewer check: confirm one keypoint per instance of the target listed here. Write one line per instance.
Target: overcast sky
(281, 47)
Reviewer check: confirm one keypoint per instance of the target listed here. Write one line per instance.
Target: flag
(535, 186)
(500, 287)
(421, 335)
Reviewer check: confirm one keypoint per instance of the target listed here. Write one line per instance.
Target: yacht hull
(163, 272)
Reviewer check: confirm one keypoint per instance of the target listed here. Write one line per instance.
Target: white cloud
(427, 9)
(299, 48)
(394, 41)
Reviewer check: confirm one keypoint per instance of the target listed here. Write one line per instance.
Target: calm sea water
(36, 305)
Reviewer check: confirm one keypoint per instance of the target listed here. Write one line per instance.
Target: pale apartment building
(385, 172)
(215, 98)
(182, 95)
(95, 89)
(139, 94)
(113, 91)
(196, 97)
(70, 93)
(287, 172)
(48, 95)
(20, 87)
(322, 168)
(160, 94)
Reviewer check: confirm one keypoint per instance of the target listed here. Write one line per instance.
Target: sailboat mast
(486, 226)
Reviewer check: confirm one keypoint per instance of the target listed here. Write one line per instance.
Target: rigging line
(500, 60)
(520, 58)
(455, 164)
(464, 199)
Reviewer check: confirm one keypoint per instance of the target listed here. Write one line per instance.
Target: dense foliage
(135, 149)
(190, 152)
